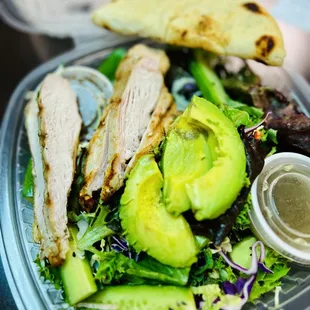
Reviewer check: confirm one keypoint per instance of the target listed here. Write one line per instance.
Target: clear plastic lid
(281, 205)
(16, 214)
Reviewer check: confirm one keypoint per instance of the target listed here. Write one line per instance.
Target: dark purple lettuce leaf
(293, 127)
(263, 268)
(255, 155)
(217, 229)
(295, 124)
(234, 288)
(239, 285)
(229, 288)
(271, 100)
(293, 133)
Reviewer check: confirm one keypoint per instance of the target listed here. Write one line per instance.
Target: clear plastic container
(17, 249)
(280, 215)
(56, 18)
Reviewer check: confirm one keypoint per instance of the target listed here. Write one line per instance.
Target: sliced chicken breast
(96, 160)
(162, 117)
(134, 121)
(53, 125)
(32, 127)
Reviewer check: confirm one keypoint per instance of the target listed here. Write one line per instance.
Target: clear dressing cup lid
(281, 205)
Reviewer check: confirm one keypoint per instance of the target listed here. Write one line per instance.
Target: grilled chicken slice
(32, 127)
(133, 124)
(99, 150)
(162, 117)
(53, 125)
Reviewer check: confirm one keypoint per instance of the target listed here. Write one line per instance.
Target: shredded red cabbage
(239, 285)
(243, 287)
(234, 288)
(245, 293)
(263, 268)
(257, 262)
(120, 245)
(229, 288)
(122, 242)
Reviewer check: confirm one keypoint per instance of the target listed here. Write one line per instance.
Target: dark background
(20, 53)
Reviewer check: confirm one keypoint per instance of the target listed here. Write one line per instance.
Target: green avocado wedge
(186, 157)
(147, 225)
(214, 192)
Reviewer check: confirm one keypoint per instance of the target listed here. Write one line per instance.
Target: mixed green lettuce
(268, 282)
(220, 283)
(96, 230)
(117, 268)
(48, 273)
(210, 269)
(243, 222)
(213, 298)
(216, 284)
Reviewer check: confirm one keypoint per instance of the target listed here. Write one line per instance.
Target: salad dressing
(280, 213)
(291, 195)
(286, 190)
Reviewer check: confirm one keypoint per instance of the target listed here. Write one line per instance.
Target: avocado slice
(147, 224)
(186, 157)
(144, 297)
(214, 192)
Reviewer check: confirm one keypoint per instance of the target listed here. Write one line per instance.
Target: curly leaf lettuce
(48, 272)
(256, 114)
(210, 269)
(238, 117)
(242, 114)
(214, 299)
(97, 229)
(243, 221)
(268, 282)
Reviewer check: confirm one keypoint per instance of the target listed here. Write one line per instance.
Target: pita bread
(225, 27)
